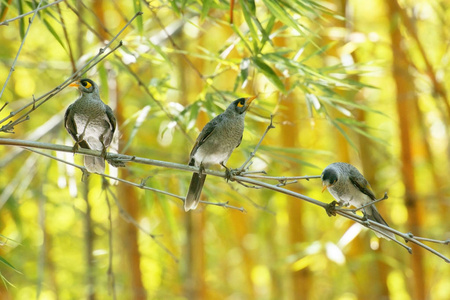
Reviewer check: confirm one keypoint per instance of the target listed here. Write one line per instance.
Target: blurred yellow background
(363, 82)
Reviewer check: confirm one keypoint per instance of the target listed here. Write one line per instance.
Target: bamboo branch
(82, 70)
(240, 179)
(20, 49)
(6, 22)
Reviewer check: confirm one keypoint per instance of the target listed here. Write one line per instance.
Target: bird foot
(117, 163)
(75, 147)
(104, 153)
(331, 209)
(230, 173)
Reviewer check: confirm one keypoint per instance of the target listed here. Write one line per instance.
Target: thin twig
(135, 76)
(140, 185)
(369, 204)
(279, 178)
(66, 36)
(6, 22)
(126, 216)
(375, 226)
(244, 165)
(20, 49)
(110, 272)
(80, 71)
(224, 205)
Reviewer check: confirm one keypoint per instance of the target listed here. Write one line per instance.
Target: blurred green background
(364, 82)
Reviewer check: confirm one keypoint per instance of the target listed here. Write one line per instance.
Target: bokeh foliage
(327, 71)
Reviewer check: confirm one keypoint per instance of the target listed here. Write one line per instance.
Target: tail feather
(373, 214)
(94, 164)
(194, 192)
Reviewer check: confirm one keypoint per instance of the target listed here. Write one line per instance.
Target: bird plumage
(349, 187)
(214, 145)
(91, 123)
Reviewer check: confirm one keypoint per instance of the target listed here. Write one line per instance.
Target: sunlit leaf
(281, 13)
(53, 32)
(269, 73)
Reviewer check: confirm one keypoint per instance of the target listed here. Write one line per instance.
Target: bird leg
(331, 208)
(228, 173)
(80, 137)
(103, 147)
(201, 169)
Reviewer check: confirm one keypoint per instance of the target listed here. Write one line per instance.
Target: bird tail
(94, 164)
(373, 214)
(195, 189)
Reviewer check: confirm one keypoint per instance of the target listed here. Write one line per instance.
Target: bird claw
(75, 147)
(331, 209)
(230, 173)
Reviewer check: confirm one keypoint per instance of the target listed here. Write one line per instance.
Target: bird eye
(86, 84)
(240, 103)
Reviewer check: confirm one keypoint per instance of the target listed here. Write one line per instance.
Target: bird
(214, 145)
(349, 187)
(91, 123)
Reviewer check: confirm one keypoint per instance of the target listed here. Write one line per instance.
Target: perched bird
(91, 123)
(215, 144)
(349, 187)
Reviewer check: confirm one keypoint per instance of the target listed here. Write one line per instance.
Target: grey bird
(349, 187)
(91, 123)
(214, 145)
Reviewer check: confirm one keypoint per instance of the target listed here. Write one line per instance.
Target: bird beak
(75, 84)
(248, 101)
(324, 188)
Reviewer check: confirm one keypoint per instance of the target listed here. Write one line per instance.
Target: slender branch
(126, 216)
(375, 226)
(110, 272)
(279, 178)
(6, 22)
(79, 72)
(20, 49)
(368, 204)
(244, 165)
(140, 185)
(135, 76)
(66, 36)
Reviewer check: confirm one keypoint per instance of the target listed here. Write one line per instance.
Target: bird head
(329, 178)
(85, 85)
(241, 105)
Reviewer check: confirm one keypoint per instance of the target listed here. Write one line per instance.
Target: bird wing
(70, 124)
(205, 134)
(363, 185)
(240, 140)
(111, 118)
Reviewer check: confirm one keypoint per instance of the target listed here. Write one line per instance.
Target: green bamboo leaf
(140, 23)
(8, 264)
(207, 4)
(349, 140)
(281, 14)
(22, 20)
(53, 32)
(269, 73)
(297, 151)
(266, 31)
(243, 38)
(361, 128)
(162, 53)
(336, 100)
(249, 17)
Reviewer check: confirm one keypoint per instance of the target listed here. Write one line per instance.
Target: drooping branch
(240, 179)
(44, 98)
(6, 22)
(20, 49)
